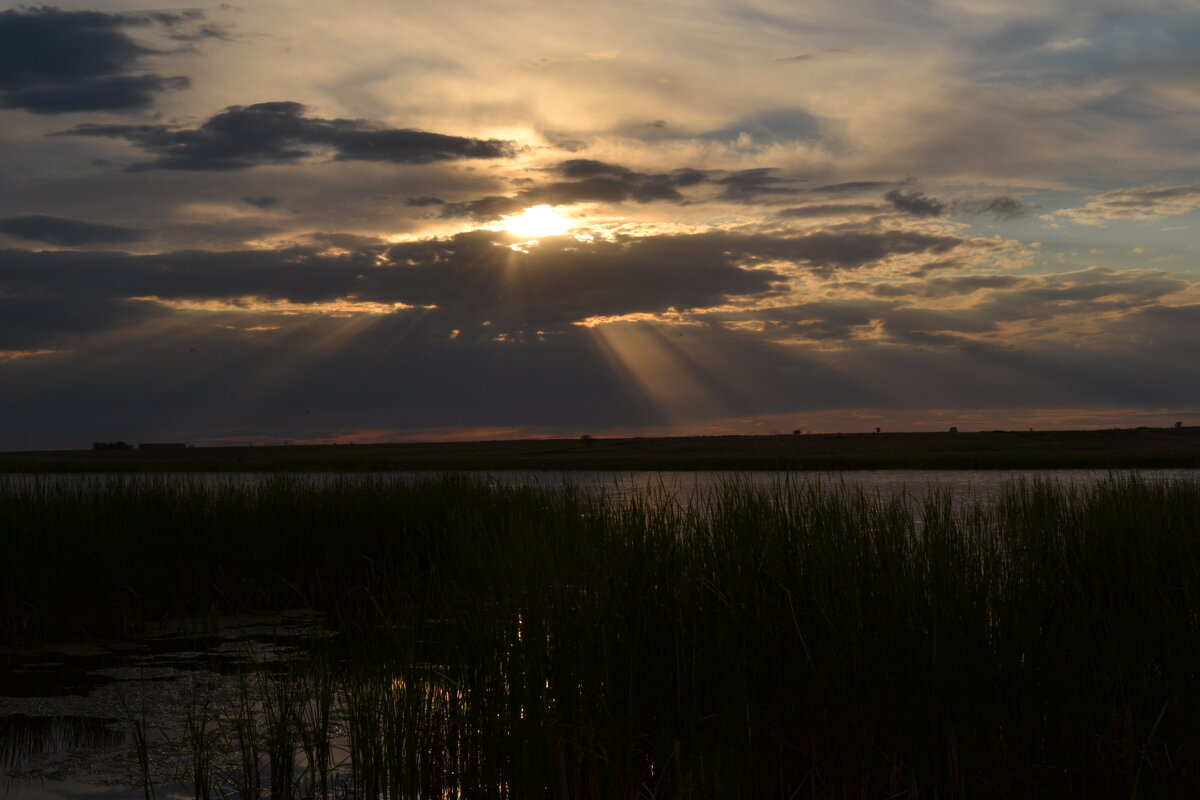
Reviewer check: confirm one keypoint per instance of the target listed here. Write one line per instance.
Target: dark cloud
(32, 321)
(826, 252)
(117, 92)
(603, 190)
(68, 232)
(241, 137)
(588, 168)
(131, 370)
(929, 267)
(346, 241)
(688, 176)
(852, 187)
(590, 182)
(491, 207)
(749, 185)
(562, 280)
(1006, 206)
(619, 182)
(916, 203)
(400, 372)
(408, 372)
(944, 287)
(262, 200)
(424, 201)
(470, 277)
(54, 61)
(827, 210)
(1001, 206)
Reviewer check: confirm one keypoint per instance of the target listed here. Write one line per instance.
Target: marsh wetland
(467, 636)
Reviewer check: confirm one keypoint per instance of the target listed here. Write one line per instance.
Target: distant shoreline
(1116, 448)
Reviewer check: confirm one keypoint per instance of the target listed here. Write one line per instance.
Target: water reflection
(68, 712)
(22, 737)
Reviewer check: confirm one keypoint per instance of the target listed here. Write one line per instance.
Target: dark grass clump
(798, 641)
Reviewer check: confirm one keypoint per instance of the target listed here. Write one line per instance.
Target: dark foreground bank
(796, 641)
(1117, 448)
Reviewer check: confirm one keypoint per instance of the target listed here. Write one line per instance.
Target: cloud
(586, 168)
(491, 207)
(749, 185)
(471, 277)
(936, 288)
(496, 349)
(989, 311)
(424, 201)
(262, 200)
(916, 203)
(827, 210)
(1143, 203)
(837, 320)
(852, 187)
(1084, 292)
(590, 182)
(1003, 207)
(68, 232)
(54, 61)
(242, 137)
(117, 92)
(29, 321)
(826, 252)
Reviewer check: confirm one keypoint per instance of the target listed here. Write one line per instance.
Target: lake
(683, 486)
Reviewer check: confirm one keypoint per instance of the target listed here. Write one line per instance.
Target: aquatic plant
(803, 639)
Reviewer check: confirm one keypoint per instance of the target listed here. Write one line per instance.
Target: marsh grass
(801, 640)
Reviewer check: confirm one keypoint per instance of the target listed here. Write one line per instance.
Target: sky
(385, 221)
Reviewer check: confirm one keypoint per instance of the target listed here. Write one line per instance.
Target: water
(682, 486)
(68, 711)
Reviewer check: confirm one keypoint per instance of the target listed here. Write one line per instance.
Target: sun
(536, 222)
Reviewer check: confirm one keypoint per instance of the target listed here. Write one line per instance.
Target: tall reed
(803, 639)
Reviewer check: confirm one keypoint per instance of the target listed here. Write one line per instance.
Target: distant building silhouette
(162, 446)
(111, 446)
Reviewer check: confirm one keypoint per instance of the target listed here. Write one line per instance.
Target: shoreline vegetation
(1114, 448)
(797, 640)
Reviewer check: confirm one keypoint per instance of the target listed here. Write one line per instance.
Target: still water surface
(682, 486)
